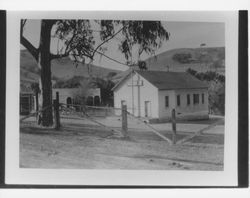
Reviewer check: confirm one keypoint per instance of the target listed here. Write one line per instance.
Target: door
(68, 101)
(147, 108)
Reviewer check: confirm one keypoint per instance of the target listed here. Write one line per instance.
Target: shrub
(182, 58)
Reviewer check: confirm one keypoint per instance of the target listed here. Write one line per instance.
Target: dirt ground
(81, 145)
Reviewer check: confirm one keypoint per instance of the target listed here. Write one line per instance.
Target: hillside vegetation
(63, 68)
(199, 59)
(216, 90)
(180, 60)
(207, 64)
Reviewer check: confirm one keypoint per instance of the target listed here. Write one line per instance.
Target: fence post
(37, 104)
(173, 127)
(124, 121)
(56, 112)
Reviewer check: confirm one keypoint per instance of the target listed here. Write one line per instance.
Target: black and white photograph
(117, 94)
(114, 94)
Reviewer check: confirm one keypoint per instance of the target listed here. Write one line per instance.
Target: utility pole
(138, 84)
(139, 97)
(133, 105)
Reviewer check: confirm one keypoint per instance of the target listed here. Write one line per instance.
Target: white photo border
(16, 175)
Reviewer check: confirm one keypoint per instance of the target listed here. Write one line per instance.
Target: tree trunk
(45, 66)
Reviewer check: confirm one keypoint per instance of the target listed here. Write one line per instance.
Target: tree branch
(56, 56)
(112, 59)
(107, 40)
(29, 47)
(26, 43)
(70, 41)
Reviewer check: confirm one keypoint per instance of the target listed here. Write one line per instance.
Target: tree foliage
(106, 89)
(216, 89)
(73, 82)
(105, 85)
(35, 88)
(207, 76)
(142, 65)
(182, 58)
(79, 41)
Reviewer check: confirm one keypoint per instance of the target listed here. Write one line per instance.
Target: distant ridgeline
(63, 68)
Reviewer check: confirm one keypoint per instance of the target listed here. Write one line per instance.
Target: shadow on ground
(70, 129)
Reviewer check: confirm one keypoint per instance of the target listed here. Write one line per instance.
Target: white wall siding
(192, 111)
(165, 112)
(64, 93)
(186, 111)
(157, 108)
(147, 93)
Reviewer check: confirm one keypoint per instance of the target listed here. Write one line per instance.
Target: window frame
(166, 101)
(178, 100)
(196, 99)
(202, 98)
(188, 100)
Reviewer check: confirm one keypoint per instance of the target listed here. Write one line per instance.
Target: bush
(182, 58)
(216, 89)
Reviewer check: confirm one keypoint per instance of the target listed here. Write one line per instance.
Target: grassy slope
(165, 58)
(63, 68)
(160, 61)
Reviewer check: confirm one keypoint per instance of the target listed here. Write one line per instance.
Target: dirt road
(87, 147)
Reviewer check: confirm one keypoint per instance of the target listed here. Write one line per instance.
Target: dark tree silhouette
(79, 43)
(35, 88)
(142, 65)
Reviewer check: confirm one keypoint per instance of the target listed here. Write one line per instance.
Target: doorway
(147, 108)
(69, 102)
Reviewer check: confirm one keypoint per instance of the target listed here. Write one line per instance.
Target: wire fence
(114, 121)
(96, 118)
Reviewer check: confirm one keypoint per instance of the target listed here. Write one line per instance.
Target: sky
(182, 35)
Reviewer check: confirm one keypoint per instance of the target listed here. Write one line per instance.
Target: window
(188, 99)
(178, 100)
(196, 98)
(202, 98)
(166, 101)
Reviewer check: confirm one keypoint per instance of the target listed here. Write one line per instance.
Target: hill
(201, 60)
(181, 59)
(63, 68)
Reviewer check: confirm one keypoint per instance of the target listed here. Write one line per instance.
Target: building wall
(165, 112)
(65, 93)
(147, 93)
(158, 109)
(183, 111)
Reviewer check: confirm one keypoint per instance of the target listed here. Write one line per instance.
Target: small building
(154, 94)
(91, 97)
(27, 99)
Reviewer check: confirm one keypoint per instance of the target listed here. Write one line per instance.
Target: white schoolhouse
(153, 95)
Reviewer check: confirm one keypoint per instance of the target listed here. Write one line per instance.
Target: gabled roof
(126, 74)
(169, 80)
